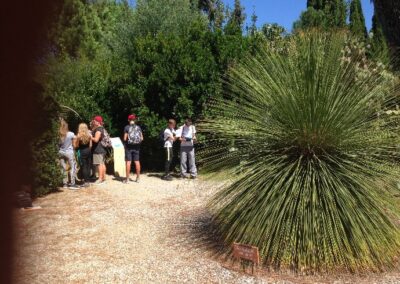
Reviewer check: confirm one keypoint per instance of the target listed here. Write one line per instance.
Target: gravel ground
(147, 232)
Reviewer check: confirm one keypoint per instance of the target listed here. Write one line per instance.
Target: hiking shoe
(167, 177)
(193, 177)
(73, 186)
(185, 176)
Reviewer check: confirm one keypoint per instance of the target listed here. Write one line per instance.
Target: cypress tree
(388, 14)
(324, 14)
(357, 21)
(335, 12)
(310, 18)
(78, 30)
(316, 4)
(341, 13)
(253, 27)
(379, 48)
(219, 16)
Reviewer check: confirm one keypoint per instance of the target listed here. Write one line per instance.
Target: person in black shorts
(98, 150)
(133, 137)
(83, 143)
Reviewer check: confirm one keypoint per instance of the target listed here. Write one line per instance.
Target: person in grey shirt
(187, 136)
(67, 154)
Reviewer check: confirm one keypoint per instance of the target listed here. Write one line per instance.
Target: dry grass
(152, 232)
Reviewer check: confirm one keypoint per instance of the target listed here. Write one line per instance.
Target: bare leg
(128, 169)
(102, 172)
(137, 167)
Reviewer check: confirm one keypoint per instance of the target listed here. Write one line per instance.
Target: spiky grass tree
(314, 167)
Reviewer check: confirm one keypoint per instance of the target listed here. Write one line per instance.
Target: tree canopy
(324, 14)
(357, 21)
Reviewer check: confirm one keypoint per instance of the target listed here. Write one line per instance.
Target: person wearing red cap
(133, 137)
(99, 152)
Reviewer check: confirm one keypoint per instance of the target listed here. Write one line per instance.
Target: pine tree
(357, 21)
(236, 20)
(273, 32)
(379, 50)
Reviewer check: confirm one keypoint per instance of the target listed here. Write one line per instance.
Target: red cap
(98, 118)
(131, 117)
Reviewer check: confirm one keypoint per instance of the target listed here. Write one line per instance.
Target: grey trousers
(68, 156)
(187, 155)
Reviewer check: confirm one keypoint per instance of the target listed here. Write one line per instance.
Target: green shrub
(314, 167)
(45, 168)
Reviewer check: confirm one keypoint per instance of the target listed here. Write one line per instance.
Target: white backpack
(134, 135)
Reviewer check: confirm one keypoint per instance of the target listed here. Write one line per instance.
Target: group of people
(90, 152)
(89, 148)
(186, 136)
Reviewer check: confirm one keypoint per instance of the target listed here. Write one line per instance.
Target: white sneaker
(100, 182)
(73, 186)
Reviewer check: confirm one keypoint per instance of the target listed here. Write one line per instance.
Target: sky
(285, 12)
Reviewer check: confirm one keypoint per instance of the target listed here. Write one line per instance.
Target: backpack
(134, 135)
(23, 199)
(161, 138)
(106, 139)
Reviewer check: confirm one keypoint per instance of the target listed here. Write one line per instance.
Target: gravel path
(135, 233)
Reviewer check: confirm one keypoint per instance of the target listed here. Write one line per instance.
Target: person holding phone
(187, 137)
(169, 137)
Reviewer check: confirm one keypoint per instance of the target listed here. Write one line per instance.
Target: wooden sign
(119, 157)
(246, 252)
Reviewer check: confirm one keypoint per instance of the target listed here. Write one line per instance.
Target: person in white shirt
(169, 138)
(187, 136)
(67, 154)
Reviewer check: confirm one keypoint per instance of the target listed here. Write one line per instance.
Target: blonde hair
(83, 133)
(63, 129)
